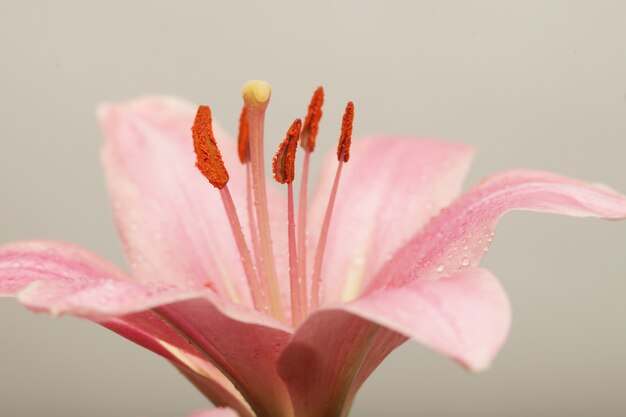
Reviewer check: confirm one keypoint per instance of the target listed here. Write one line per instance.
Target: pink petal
(64, 279)
(245, 350)
(329, 357)
(460, 236)
(466, 317)
(215, 412)
(171, 219)
(22, 263)
(147, 329)
(389, 189)
(242, 344)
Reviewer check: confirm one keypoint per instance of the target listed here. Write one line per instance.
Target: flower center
(259, 264)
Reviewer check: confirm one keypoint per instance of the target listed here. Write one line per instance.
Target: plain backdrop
(537, 84)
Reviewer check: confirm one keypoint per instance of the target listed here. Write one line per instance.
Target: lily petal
(461, 234)
(148, 330)
(241, 344)
(244, 350)
(328, 359)
(63, 279)
(24, 262)
(465, 317)
(389, 189)
(172, 222)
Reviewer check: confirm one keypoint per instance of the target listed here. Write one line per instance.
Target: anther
(343, 149)
(209, 159)
(243, 141)
(312, 120)
(283, 165)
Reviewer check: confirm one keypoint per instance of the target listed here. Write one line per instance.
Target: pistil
(211, 165)
(256, 95)
(243, 147)
(343, 155)
(283, 167)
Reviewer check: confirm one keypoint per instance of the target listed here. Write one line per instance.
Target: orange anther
(209, 159)
(312, 120)
(243, 141)
(284, 162)
(343, 149)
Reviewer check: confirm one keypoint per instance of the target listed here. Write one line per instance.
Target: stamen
(209, 159)
(243, 141)
(307, 140)
(343, 150)
(210, 163)
(258, 297)
(283, 167)
(256, 95)
(312, 120)
(343, 154)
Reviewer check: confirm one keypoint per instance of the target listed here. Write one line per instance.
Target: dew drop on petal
(465, 262)
(440, 268)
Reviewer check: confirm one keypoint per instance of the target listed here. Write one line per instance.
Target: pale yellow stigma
(256, 92)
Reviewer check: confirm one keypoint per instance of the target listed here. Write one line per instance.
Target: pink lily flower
(273, 317)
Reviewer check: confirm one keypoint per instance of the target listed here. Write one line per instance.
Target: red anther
(312, 120)
(243, 141)
(343, 149)
(209, 159)
(284, 162)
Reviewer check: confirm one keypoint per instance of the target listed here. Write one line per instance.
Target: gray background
(539, 84)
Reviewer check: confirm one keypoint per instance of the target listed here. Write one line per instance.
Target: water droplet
(440, 268)
(465, 262)
(465, 247)
(486, 248)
